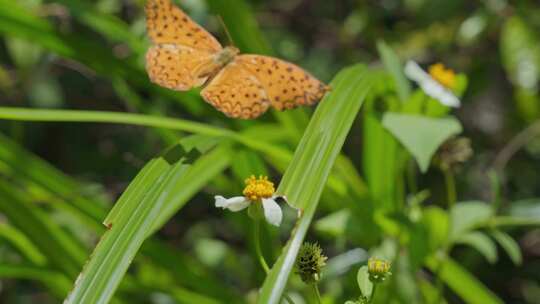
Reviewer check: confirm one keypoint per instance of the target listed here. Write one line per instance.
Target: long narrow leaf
(314, 158)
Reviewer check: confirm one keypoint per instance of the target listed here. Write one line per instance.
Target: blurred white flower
(437, 84)
(257, 190)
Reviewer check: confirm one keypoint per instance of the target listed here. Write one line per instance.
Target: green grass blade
(314, 158)
(394, 67)
(242, 25)
(55, 281)
(118, 246)
(200, 173)
(24, 114)
(60, 248)
(22, 243)
(463, 283)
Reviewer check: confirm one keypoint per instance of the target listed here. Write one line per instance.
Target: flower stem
(450, 187)
(258, 251)
(257, 240)
(373, 293)
(317, 293)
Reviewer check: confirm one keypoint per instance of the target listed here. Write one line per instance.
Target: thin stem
(516, 144)
(439, 283)
(411, 177)
(373, 293)
(450, 187)
(260, 257)
(257, 240)
(317, 293)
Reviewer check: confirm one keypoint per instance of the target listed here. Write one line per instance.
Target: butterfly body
(185, 56)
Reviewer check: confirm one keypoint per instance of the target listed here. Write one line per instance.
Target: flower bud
(309, 262)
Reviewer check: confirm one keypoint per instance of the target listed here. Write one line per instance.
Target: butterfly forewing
(183, 53)
(166, 23)
(177, 67)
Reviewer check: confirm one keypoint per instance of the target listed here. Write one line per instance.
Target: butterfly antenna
(226, 30)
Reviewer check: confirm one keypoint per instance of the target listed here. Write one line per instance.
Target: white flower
(430, 85)
(256, 191)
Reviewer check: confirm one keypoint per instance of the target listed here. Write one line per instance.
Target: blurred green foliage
(59, 179)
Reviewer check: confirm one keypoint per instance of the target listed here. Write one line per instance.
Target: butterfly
(185, 56)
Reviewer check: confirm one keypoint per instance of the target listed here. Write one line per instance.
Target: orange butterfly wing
(237, 93)
(183, 54)
(247, 86)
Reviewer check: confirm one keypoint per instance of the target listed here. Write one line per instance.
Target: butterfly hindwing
(287, 85)
(237, 93)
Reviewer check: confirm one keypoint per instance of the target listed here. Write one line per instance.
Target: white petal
(414, 72)
(437, 91)
(234, 204)
(430, 86)
(272, 211)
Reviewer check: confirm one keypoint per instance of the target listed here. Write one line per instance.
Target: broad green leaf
(365, 285)
(307, 173)
(465, 216)
(509, 245)
(463, 283)
(481, 242)
(393, 65)
(421, 136)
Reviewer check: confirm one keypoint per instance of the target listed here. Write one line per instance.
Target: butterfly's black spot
(294, 89)
(189, 34)
(289, 69)
(185, 19)
(159, 34)
(222, 92)
(285, 91)
(247, 95)
(269, 72)
(175, 18)
(254, 95)
(233, 95)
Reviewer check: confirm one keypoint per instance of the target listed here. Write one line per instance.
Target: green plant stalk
(258, 251)
(450, 183)
(257, 240)
(373, 293)
(317, 293)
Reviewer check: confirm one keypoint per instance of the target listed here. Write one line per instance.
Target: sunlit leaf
(421, 136)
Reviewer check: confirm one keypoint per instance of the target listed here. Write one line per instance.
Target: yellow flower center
(378, 267)
(258, 188)
(442, 75)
